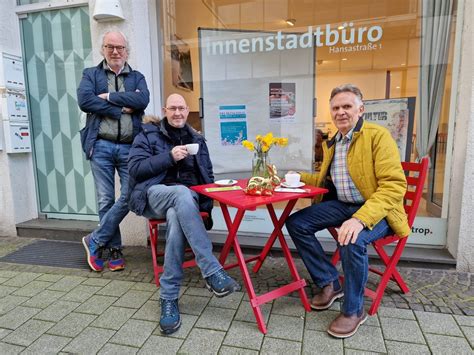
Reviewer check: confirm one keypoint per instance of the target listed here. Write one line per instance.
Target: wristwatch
(363, 224)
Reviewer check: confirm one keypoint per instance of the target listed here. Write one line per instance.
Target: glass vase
(260, 162)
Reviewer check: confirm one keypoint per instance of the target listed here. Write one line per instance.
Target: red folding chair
(153, 226)
(415, 175)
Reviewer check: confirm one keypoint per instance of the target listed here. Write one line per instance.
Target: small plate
(300, 184)
(225, 182)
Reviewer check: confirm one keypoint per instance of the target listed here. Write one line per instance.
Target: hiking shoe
(116, 260)
(170, 319)
(94, 253)
(221, 284)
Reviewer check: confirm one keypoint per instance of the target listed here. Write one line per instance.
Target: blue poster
(233, 124)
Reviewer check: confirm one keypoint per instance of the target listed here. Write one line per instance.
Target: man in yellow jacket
(361, 168)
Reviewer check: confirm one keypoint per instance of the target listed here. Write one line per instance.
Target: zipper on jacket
(120, 119)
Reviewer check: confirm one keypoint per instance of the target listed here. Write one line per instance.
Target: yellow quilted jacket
(374, 165)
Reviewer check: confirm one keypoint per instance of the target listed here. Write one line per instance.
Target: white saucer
(300, 184)
(226, 182)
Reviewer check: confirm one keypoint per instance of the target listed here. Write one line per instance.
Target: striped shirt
(346, 190)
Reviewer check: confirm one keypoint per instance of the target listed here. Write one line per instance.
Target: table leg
(232, 227)
(278, 224)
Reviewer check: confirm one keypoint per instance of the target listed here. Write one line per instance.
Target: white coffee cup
(292, 179)
(192, 148)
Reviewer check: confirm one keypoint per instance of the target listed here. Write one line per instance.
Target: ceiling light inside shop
(340, 27)
(291, 21)
(344, 59)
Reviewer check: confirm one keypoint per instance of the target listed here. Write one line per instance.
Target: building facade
(245, 68)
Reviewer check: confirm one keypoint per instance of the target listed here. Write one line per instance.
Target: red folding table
(242, 202)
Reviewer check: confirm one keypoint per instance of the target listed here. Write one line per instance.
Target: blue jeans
(302, 226)
(106, 158)
(179, 205)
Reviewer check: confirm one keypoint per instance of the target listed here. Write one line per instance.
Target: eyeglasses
(110, 49)
(179, 108)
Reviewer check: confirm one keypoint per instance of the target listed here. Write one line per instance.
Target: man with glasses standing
(162, 168)
(114, 96)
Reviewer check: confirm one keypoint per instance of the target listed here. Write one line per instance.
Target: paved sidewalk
(52, 310)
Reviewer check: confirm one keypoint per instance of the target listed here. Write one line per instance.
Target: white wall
(460, 226)
(17, 182)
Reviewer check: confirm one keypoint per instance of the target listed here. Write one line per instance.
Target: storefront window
(374, 44)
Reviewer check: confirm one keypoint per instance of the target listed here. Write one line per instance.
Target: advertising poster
(397, 115)
(282, 101)
(233, 123)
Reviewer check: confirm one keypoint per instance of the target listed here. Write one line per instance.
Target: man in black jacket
(161, 171)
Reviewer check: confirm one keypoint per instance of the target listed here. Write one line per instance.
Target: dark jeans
(302, 226)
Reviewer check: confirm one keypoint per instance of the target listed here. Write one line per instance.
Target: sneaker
(116, 260)
(94, 253)
(221, 284)
(170, 319)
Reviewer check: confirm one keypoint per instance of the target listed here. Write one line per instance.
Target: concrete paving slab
(198, 291)
(244, 335)
(320, 320)
(397, 348)
(288, 306)
(464, 320)
(202, 341)
(192, 304)
(114, 318)
(358, 352)
(17, 316)
(28, 332)
(141, 286)
(366, 339)
(245, 312)
(57, 311)
(7, 290)
(47, 344)
(8, 274)
(72, 324)
(280, 346)
(10, 348)
(9, 302)
(96, 304)
(49, 277)
(96, 281)
(43, 299)
(67, 283)
(4, 332)
(134, 332)
(149, 311)
(114, 349)
(116, 288)
(468, 334)
(443, 344)
(321, 342)
(231, 301)
(32, 288)
(216, 318)
(390, 312)
(133, 299)
(21, 279)
(402, 330)
(285, 327)
(229, 350)
(90, 341)
(81, 292)
(187, 323)
(162, 344)
(438, 323)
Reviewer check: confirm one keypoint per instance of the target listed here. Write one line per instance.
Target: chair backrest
(415, 175)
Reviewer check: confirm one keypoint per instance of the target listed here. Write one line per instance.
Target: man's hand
(127, 110)
(349, 231)
(103, 96)
(179, 152)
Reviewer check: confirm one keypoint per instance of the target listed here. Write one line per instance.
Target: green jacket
(374, 165)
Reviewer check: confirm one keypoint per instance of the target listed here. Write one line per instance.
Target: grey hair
(127, 44)
(347, 88)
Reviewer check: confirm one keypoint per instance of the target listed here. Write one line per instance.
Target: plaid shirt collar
(349, 135)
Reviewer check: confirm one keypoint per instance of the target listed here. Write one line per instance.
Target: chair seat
(153, 227)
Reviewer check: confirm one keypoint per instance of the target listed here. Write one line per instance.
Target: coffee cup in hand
(292, 179)
(192, 148)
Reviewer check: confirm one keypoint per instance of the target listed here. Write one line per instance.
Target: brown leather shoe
(346, 326)
(325, 298)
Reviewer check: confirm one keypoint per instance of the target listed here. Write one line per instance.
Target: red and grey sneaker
(94, 253)
(116, 260)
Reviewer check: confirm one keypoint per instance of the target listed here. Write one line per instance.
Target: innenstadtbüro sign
(355, 38)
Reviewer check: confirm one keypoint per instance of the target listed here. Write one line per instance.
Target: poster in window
(282, 101)
(181, 68)
(233, 124)
(397, 115)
